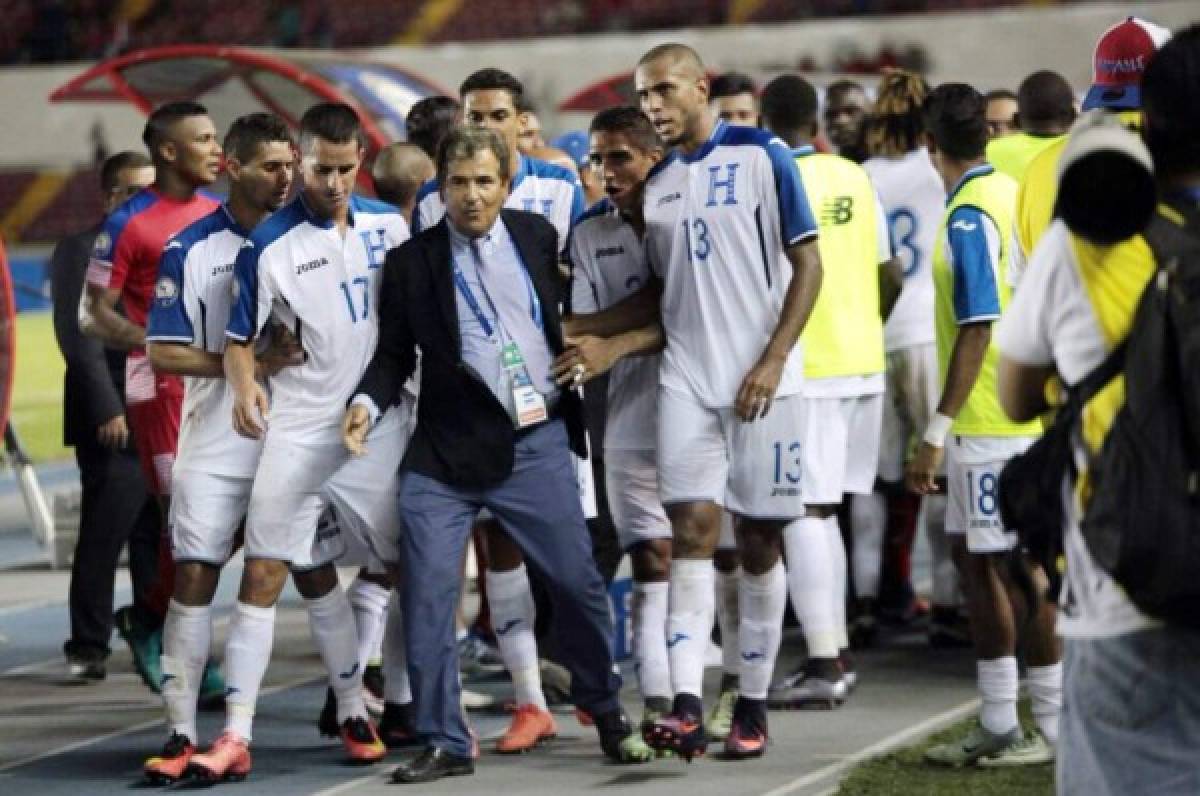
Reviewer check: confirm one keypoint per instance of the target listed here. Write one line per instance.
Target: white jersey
(914, 200)
(537, 187)
(717, 223)
(607, 265)
(192, 297)
(298, 270)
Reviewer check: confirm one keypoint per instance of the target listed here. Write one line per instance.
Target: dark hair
(999, 94)
(160, 121)
(789, 106)
(844, 87)
(335, 122)
(115, 164)
(429, 120)
(493, 80)
(1045, 99)
(466, 142)
(249, 132)
(631, 122)
(895, 125)
(731, 84)
(1171, 104)
(956, 117)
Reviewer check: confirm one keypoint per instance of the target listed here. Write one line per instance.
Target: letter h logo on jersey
(728, 185)
(376, 252)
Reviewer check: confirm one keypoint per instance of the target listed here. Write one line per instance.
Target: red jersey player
(183, 144)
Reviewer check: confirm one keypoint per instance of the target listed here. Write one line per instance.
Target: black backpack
(1029, 490)
(1142, 522)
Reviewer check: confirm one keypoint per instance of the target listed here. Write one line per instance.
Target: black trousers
(116, 509)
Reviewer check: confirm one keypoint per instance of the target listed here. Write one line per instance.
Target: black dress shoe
(433, 764)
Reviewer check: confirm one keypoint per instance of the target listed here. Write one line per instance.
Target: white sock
(333, 631)
(187, 635)
(690, 609)
(247, 653)
(762, 601)
(396, 687)
(869, 515)
(810, 581)
(945, 574)
(510, 599)
(729, 619)
(998, 688)
(1045, 695)
(650, 639)
(369, 602)
(837, 560)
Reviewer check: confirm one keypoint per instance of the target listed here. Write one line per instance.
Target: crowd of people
(803, 329)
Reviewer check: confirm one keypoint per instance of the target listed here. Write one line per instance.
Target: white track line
(927, 727)
(352, 784)
(139, 727)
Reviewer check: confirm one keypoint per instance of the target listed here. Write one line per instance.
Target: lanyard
(468, 295)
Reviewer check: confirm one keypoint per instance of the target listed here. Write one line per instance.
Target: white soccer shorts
(973, 466)
(637, 510)
(207, 510)
(752, 469)
(913, 389)
(841, 447)
(298, 477)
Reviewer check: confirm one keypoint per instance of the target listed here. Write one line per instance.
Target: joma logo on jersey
(785, 491)
(610, 251)
(671, 197)
(726, 185)
(530, 206)
(837, 210)
(222, 269)
(312, 265)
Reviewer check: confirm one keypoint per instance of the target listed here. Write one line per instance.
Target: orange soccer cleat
(530, 727)
(227, 761)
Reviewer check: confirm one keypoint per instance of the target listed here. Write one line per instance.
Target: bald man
(400, 169)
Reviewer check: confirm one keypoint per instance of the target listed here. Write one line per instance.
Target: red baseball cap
(1120, 60)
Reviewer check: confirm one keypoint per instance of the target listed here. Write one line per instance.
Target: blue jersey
(537, 187)
(192, 298)
(299, 270)
(717, 224)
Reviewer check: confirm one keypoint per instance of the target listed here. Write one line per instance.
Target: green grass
(905, 772)
(37, 403)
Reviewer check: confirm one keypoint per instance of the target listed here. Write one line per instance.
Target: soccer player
(1002, 113)
(399, 171)
(914, 199)
(971, 430)
(609, 264)
(491, 98)
(429, 120)
(843, 389)
(183, 145)
(734, 98)
(314, 267)
(1045, 109)
(727, 226)
(846, 108)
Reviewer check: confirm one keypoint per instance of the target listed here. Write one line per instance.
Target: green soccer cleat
(144, 645)
(720, 718)
(212, 686)
(1031, 750)
(977, 743)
